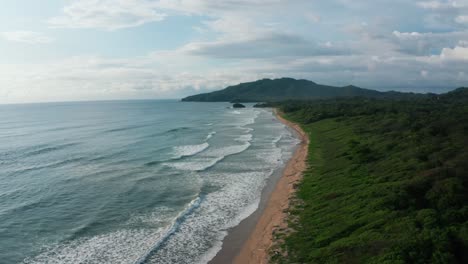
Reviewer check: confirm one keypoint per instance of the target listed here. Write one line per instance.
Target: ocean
(131, 181)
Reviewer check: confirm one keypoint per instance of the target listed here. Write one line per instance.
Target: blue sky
(60, 50)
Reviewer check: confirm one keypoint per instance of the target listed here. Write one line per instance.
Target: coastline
(255, 250)
(250, 241)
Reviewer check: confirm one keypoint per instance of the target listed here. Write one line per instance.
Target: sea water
(131, 181)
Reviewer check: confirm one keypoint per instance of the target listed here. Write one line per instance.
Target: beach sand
(250, 241)
(255, 249)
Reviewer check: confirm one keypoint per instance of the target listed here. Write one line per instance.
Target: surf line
(194, 204)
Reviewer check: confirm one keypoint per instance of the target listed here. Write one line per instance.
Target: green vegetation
(288, 89)
(387, 182)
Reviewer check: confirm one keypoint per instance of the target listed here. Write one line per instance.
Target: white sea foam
(194, 165)
(229, 150)
(245, 138)
(189, 150)
(212, 252)
(210, 135)
(237, 198)
(171, 229)
(217, 209)
(196, 236)
(246, 118)
(209, 159)
(124, 246)
(271, 156)
(277, 139)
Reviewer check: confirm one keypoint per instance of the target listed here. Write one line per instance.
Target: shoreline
(250, 241)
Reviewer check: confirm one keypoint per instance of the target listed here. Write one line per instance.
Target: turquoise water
(130, 181)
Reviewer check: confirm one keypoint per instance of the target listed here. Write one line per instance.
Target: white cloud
(270, 45)
(463, 43)
(431, 4)
(117, 14)
(450, 4)
(446, 14)
(28, 37)
(407, 35)
(462, 19)
(244, 40)
(312, 17)
(427, 43)
(107, 14)
(217, 7)
(457, 53)
(157, 75)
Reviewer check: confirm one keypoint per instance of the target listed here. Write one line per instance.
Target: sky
(73, 50)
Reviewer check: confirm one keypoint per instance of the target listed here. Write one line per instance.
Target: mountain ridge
(271, 90)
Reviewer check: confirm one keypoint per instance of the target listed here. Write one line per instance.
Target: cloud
(401, 44)
(441, 5)
(429, 43)
(91, 77)
(457, 53)
(216, 7)
(445, 14)
(107, 14)
(28, 37)
(462, 19)
(264, 46)
(312, 17)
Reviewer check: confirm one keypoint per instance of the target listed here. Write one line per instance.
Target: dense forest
(268, 90)
(387, 182)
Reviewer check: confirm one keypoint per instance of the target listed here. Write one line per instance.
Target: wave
(245, 138)
(56, 129)
(210, 135)
(179, 152)
(119, 129)
(202, 232)
(190, 230)
(49, 149)
(195, 203)
(22, 152)
(177, 129)
(277, 139)
(49, 165)
(271, 156)
(188, 150)
(194, 165)
(244, 122)
(123, 246)
(230, 150)
(211, 159)
(153, 163)
(244, 214)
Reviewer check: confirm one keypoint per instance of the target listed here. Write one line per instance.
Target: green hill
(287, 89)
(387, 182)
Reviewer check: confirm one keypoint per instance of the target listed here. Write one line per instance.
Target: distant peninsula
(274, 90)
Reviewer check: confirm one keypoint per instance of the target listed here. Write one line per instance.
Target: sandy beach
(255, 249)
